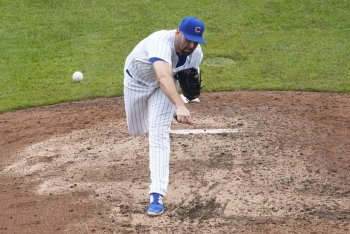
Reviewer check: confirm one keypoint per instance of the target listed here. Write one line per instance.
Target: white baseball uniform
(148, 109)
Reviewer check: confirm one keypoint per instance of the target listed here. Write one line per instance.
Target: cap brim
(194, 38)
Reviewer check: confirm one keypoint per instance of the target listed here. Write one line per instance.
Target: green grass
(275, 45)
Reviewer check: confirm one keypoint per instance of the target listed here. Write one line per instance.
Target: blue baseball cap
(193, 29)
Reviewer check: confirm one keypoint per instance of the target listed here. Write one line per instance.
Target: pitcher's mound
(251, 162)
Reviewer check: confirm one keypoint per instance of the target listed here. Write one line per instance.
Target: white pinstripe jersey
(159, 44)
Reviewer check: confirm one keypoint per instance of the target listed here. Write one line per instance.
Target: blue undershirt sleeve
(154, 59)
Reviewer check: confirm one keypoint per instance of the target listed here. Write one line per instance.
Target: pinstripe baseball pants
(148, 110)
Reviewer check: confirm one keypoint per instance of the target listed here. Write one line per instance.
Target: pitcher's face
(184, 46)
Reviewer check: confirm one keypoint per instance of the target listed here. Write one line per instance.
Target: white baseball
(77, 76)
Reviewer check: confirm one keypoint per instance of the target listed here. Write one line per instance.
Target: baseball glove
(190, 82)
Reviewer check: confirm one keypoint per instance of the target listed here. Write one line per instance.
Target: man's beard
(185, 52)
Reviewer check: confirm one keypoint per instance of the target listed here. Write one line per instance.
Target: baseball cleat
(155, 206)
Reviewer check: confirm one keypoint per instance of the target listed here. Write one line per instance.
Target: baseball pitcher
(151, 74)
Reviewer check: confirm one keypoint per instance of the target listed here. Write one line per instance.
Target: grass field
(274, 44)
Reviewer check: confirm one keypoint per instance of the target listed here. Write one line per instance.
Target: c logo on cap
(197, 29)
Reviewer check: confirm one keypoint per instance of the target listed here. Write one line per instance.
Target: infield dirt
(72, 168)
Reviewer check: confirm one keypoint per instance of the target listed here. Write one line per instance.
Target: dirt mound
(284, 169)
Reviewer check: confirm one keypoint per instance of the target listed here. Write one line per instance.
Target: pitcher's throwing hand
(182, 115)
